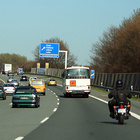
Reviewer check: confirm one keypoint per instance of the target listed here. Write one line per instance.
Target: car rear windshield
(8, 85)
(52, 80)
(37, 82)
(25, 91)
(14, 81)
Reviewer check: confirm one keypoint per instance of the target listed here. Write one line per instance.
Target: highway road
(60, 118)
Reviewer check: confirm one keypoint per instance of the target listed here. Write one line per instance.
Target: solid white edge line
(2, 80)
(132, 113)
(44, 120)
(98, 99)
(135, 115)
(19, 138)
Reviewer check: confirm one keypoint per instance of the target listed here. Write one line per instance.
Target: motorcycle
(121, 112)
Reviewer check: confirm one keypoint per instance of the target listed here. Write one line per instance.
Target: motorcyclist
(119, 93)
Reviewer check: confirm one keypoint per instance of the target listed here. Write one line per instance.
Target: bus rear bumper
(85, 93)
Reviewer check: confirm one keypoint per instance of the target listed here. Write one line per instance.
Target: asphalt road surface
(60, 118)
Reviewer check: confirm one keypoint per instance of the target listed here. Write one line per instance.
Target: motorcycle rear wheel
(121, 119)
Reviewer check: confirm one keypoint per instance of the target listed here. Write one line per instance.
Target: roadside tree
(118, 51)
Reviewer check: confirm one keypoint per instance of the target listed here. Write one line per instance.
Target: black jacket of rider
(114, 92)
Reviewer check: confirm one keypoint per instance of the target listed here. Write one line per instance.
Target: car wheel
(13, 105)
(36, 106)
(4, 98)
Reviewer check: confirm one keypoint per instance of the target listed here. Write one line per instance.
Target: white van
(76, 81)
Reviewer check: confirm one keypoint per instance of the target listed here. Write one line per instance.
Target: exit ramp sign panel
(50, 50)
(92, 74)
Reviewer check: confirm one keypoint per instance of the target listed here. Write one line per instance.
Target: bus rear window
(77, 73)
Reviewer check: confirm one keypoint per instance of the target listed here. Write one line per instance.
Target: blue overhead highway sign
(49, 50)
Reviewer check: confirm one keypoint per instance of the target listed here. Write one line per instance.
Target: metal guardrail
(134, 93)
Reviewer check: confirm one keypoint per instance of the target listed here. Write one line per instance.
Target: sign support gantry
(66, 52)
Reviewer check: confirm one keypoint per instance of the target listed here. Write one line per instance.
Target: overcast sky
(79, 23)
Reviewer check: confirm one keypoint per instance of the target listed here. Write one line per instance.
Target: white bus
(76, 81)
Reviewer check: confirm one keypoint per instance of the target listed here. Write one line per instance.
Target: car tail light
(13, 88)
(2, 91)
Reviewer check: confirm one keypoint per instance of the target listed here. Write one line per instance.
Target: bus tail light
(67, 87)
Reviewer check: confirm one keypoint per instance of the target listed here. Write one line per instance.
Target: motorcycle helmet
(119, 83)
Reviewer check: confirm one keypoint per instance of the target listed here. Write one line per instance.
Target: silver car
(15, 82)
(9, 88)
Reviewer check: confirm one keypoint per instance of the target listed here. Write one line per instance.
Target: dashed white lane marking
(132, 113)
(44, 120)
(54, 109)
(19, 138)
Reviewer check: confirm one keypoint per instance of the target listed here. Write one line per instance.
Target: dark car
(2, 93)
(10, 78)
(10, 73)
(25, 96)
(23, 78)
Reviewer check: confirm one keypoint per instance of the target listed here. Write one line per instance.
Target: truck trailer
(6, 68)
